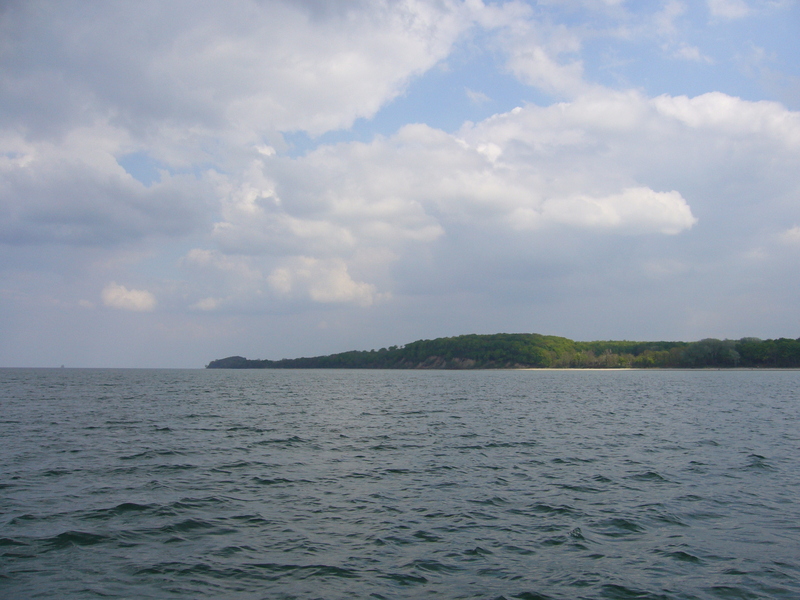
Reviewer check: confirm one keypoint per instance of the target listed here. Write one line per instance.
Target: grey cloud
(75, 206)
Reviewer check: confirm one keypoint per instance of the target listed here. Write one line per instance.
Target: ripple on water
(399, 485)
(682, 556)
(618, 527)
(621, 592)
(69, 539)
(648, 476)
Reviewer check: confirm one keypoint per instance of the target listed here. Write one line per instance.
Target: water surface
(399, 484)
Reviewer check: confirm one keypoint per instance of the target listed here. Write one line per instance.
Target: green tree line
(532, 350)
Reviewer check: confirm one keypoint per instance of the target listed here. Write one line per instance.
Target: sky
(182, 181)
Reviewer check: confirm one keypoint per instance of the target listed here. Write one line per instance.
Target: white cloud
(207, 304)
(213, 259)
(666, 18)
(241, 65)
(477, 97)
(733, 116)
(495, 171)
(791, 237)
(324, 281)
(574, 167)
(210, 273)
(118, 296)
(640, 210)
(537, 66)
(372, 208)
(203, 87)
(692, 53)
(728, 9)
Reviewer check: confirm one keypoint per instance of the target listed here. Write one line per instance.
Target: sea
(330, 484)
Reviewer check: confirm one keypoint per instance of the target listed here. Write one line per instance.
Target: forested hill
(519, 350)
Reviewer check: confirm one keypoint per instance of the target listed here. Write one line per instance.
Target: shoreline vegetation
(535, 351)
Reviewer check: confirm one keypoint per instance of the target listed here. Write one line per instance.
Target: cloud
(477, 97)
(218, 281)
(72, 191)
(636, 209)
(490, 171)
(212, 259)
(573, 191)
(733, 116)
(207, 304)
(665, 19)
(728, 9)
(118, 296)
(760, 65)
(606, 164)
(200, 86)
(538, 62)
(692, 53)
(241, 66)
(321, 281)
(791, 237)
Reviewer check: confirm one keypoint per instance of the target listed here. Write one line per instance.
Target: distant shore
(536, 351)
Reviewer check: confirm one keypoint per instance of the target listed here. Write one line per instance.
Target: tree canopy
(532, 350)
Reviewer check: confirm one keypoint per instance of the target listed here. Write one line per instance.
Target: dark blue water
(397, 484)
